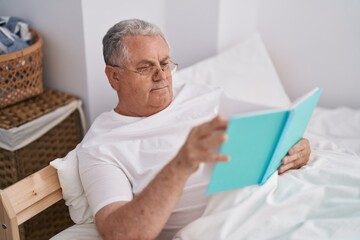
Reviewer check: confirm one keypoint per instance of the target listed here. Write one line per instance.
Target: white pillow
(72, 189)
(245, 72)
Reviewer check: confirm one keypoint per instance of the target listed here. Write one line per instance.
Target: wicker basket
(55, 143)
(21, 73)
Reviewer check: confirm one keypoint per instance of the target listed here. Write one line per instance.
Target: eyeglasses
(148, 71)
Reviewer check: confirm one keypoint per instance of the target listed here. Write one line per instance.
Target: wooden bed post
(9, 226)
(25, 199)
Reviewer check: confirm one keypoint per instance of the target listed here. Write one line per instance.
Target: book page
(230, 107)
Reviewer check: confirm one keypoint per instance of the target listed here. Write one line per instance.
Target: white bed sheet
(319, 201)
(85, 231)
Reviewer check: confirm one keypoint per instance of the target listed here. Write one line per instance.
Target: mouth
(158, 88)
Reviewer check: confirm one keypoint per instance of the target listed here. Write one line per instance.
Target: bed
(318, 201)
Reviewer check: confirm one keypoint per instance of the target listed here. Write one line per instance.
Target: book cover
(257, 143)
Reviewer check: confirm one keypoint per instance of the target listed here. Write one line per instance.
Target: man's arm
(146, 215)
(297, 156)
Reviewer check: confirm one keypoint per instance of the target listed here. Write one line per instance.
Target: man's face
(144, 94)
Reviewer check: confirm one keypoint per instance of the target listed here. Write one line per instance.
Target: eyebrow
(152, 62)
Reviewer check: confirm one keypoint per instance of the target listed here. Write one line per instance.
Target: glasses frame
(152, 72)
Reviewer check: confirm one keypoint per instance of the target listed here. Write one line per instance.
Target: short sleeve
(103, 182)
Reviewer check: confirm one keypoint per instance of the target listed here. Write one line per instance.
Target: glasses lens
(173, 67)
(150, 71)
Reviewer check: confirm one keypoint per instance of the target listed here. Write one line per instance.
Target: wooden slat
(39, 206)
(33, 188)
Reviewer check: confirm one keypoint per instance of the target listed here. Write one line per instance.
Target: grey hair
(114, 50)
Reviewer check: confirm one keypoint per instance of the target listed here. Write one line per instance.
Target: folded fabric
(14, 34)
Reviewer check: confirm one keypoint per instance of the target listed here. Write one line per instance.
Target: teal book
(257, 143)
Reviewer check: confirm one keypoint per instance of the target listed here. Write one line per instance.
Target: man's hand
(200, 143)
(297, 156)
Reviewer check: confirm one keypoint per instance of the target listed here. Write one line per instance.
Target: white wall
(315, 43)
(192, 29)
(237, 21)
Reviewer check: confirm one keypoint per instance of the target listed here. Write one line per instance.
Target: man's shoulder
(103, 120)
(101, 125)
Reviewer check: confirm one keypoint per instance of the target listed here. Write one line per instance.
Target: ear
(113, 76)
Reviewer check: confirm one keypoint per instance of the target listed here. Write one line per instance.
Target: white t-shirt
(120, 155)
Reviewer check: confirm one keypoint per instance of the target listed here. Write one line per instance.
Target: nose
(159, 74)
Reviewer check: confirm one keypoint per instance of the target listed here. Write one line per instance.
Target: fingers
(217, 123)
(299, 146)
(211, 134)
(212, 140)
(215, 157)
(294, 161)
(297, 156)
(201, 142)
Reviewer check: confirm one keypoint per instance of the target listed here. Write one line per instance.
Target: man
(145, 165)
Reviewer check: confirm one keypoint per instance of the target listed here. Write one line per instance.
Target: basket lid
(32, 108)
